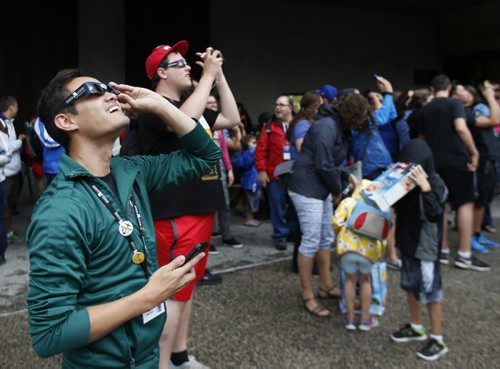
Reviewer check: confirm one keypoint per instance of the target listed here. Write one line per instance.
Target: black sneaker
(213, 250)
(472, 263)
(433, 350)
(216, 235)
(209, 279)
(408, 333)
(280, 245)
(233, 243)
(2, 260)
(444, 257)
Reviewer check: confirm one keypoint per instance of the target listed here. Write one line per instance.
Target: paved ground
(255, 319)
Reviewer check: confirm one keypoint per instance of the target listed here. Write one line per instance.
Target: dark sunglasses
(86, 89)
(181, 63)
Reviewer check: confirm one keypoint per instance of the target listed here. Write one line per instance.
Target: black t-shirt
(200, 196)
(110, 181)
(437, 123)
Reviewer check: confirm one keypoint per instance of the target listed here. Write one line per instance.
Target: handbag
(282, 172)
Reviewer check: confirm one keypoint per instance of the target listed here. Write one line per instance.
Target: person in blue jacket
(384, 112)
(249, 180)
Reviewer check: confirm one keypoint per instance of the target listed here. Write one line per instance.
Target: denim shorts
(421, 278)
(352, 263)
(315, 218)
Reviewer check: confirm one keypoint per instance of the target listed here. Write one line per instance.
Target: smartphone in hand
(202, 246)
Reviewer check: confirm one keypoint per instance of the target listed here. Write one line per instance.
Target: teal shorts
(352, 263)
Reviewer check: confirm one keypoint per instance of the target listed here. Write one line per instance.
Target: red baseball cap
(160, 52)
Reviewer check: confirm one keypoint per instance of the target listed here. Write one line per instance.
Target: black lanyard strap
(120, 220)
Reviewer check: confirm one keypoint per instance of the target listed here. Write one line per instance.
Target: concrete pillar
(101, 49)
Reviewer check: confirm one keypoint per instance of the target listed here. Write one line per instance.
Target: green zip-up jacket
(79, 259)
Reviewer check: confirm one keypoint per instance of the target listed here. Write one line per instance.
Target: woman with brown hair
(318, 174)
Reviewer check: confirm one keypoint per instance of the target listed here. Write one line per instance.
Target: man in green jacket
(96, 293)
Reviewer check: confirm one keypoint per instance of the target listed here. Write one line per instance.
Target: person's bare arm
(229, 115)
(298, 144)
(465, 135)
(494, 118)
(211, 62)
(162, 285)
(235, 143)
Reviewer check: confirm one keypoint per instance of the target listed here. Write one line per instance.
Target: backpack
(368, 220)
(33, 148)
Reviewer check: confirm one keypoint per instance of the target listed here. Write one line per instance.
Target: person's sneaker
(477, 246)
(213, 250)
(191, 364)
(487, 242)
(489, 229)
(349, 324)
(280, 245)
(444, 257)
(233, 243)
(408, 333)
(13, 237)
(209, 279)
(433, 350)
(2, 260)
(216, 236)
(473, 263)
(367, 324)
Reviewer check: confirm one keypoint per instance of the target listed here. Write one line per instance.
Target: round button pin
(125, 228)
(137, 257)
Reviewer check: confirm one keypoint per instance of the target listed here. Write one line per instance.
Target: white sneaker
(367, 324)
(191, 364)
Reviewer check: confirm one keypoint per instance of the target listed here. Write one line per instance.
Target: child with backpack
(249, 181)
(418, 236)
(357, 254)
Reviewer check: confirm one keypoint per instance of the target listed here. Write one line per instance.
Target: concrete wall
(471, 30)
(270, 50)
(101, 46)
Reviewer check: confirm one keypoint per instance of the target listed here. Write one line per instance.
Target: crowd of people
(133, 179)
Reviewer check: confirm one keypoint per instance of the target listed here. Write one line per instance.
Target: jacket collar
(126, 171)
(71, 169)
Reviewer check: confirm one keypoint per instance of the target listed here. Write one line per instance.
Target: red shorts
(178, 236)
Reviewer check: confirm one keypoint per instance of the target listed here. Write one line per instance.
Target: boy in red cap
(184, 215)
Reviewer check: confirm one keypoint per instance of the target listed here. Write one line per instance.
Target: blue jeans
(283, 217)
(3, 230)
(315, 218)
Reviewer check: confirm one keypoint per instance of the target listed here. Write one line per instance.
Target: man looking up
(184, 215)
(96, 293)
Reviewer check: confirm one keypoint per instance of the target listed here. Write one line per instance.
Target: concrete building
(270, 47)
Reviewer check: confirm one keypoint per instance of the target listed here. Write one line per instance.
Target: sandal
(318, 311)
(332, 293)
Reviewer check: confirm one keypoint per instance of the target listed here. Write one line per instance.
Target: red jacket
(269, 150)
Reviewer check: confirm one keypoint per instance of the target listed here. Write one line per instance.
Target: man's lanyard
(125, 227)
